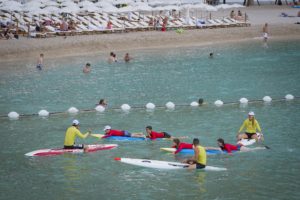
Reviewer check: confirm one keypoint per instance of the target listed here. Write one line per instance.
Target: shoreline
(28, 49)
(280, 28)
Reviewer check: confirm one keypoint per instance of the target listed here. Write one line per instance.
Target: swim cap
(251, 113)
(107, 128)
(75, 122)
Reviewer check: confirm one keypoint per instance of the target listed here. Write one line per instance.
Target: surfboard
(191, 151)
(157, 164)
(60, 151)
(123, 138)
(248, 142)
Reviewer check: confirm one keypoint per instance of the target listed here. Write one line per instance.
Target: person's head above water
(200, 101)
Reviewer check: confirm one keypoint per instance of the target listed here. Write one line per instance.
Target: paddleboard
(248, 142)
(123, 138)
(191, 151)
(60, 151)
(157, 164)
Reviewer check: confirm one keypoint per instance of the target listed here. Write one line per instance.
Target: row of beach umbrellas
(108, 6)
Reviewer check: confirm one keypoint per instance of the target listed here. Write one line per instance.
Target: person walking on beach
(250, 125)
(40, 62)
(87, 68)
(265, 31)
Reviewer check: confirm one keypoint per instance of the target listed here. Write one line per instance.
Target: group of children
(198, 161)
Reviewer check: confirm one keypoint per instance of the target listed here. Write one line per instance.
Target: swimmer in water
(87, 68)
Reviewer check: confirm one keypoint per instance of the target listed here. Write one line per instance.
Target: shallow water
(158, 76)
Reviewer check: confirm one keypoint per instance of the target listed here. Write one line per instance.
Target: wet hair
(176, 141)
(149, 127)
(101, 101)
(196, 141)
(112, 53)
(88, 64)
(200, 101)
(211, 54)
(221, 141)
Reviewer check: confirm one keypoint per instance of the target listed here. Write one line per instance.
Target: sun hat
(75, 122)
(251, 113)
(107, 128)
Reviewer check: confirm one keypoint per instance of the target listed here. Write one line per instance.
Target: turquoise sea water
(179, 75)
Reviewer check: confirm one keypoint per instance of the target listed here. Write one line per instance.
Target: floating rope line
(169, 105)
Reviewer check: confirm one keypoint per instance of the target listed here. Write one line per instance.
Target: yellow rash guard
(202, 155)
(71, 134)
(249, 127)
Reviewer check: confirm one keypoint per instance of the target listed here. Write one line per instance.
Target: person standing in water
(127, 58)
(265, 31)
(87, 68)
(40, 62)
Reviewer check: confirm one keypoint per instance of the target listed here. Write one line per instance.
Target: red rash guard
(154, 135)
(183, 146)
(114, 133)
(230, 147)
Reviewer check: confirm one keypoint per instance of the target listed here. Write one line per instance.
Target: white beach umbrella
(126, 9)
(11, 6)
(110, 9)
(104, 4)
(70, 9)
(143, 7)
(50, 3)
(116, 2)
(86, 3)
(51, 9)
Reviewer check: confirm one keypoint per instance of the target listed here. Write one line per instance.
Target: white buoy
(170, 105)
(243, 100)
(125, 107)
(267, 99)
(194, 104)
(43, 113)
(13, 115)
(73, 110)
(289, 97)
(150, 106)
(100, 108)
(219, 103)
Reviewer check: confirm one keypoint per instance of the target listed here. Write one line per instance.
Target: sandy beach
(282, 28)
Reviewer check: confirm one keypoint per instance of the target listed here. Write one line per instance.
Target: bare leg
(242, 136)
(193, 166)
(138, 135)
(254, 136)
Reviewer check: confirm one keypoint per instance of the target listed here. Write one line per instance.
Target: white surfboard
(248, 142)
(157, 164)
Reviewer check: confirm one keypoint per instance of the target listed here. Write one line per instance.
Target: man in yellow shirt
(71, 134)
(250, 125)
(199, 159)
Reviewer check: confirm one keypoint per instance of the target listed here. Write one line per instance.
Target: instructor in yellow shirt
(199, 159)
(250, 125)
(71, 134)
